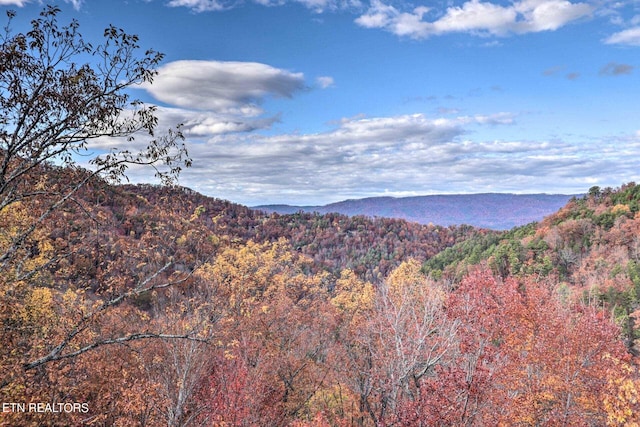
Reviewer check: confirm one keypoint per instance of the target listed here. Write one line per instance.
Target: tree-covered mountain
(196, 308)
(371, 247)
(497, 211)
(590, 248)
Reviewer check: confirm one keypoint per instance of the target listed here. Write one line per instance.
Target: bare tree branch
(55, 356)
(143, 287)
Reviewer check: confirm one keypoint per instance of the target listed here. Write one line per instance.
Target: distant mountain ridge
(498, 211)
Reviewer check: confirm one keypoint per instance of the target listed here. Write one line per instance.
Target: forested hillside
(589, 249)
(158, 305)
(369, 247)
(116, 260)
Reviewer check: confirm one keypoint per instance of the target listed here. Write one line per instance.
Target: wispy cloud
(629, 36)
(551, 71)
(318, 6)
(21, 3)
(615, 69)
(554, 71)
(325, 82)
(199, 5)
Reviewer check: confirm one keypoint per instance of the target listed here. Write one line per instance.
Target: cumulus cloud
(629, 36)
(223, 87)
(475, 16)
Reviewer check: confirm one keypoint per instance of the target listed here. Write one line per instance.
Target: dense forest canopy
(155, 305)
(309, 319)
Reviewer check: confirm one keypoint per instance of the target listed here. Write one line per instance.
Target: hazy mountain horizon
(500, 211)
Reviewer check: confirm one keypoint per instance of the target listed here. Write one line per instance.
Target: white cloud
(318, 6)
(76, 3)
(399, 155)
(210, 99)
(381, 15)
(630, 36)
(475, 17)
(492, 119)
(223, 87)
(548, 15)
(198, 5)
(21, 3)
(206, 124)
(395, 155)
(325, 82)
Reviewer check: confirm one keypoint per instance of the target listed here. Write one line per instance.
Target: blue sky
(316, 101)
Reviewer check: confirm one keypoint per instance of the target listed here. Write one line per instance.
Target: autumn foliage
(282, 339)
(127, 305)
